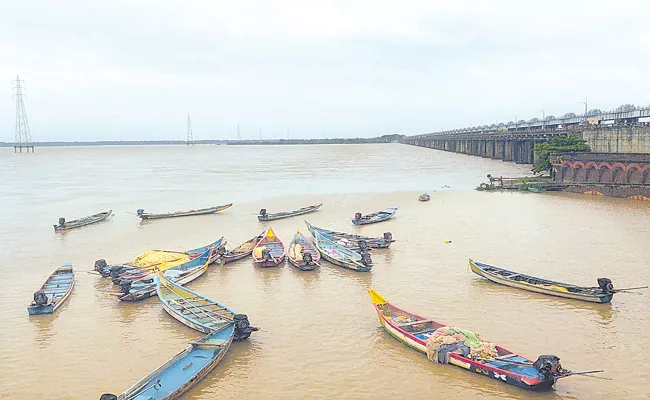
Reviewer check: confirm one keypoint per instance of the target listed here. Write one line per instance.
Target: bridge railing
(614, 115)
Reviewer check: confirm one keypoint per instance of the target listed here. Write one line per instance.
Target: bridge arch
(591, 174)
(579, 174)
(619, 175)
(634, 176)
(605, 175)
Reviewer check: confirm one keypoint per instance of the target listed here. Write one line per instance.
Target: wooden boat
(269, 251)
(199, 312)
(53, 292)
(375, 217)
(351, 240)
(424, 197)
(202, 211)
(181, 274)
(341, 255)
(302, 253)
(243, 250)
(505, 366)
(217, 245)
(183, 371)
(603, 293)
(264, 216)
(151, 259)
(78, 223)
(135, 272)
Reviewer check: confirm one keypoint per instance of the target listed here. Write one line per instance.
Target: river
(320, 336)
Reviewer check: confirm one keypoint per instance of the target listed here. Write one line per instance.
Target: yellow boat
(602, 293)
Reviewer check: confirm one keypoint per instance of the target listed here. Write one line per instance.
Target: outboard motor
(100, 265)
(108, 396)
(263, 211)
(357, 215)
(116, 271)
(388, 236)
(605, 284)
(61, 221)
(365, 259)
(40, 298)
(221, 251)
(125, 286)
(266, 255)
(243, 328)
(548, 365)
(307, 259)
(363, 245)
(140, 212)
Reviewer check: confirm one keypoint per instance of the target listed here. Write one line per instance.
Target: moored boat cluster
(164, 273)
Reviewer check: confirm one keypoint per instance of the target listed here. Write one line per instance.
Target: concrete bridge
(518, 146)
(506, 146)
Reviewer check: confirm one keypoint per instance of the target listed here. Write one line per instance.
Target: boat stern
(41, 310)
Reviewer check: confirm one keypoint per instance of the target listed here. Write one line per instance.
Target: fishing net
(445, 336)
(246, 247)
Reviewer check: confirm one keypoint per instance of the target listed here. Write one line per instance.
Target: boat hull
(345, 264)
(36, 310)
(78, 223)
(270, 263)
(350, 240)
(462, 362)
(277, 251)
(235, 257)
(288, 214)
(151, 289)
(379, 216)
(56, 293)
(203, 211)
(302, 265)
(605, 298)
(298, 248)
(183, 371)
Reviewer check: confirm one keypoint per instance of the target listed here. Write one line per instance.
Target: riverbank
(240, 142)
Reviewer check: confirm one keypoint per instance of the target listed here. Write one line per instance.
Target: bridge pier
(508, 150)
(515, 147)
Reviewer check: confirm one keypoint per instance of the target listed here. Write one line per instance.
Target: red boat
(420, 333)
(269, 251)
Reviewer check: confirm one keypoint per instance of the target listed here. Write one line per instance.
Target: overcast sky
(111, 70)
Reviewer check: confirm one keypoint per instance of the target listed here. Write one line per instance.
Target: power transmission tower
(23, 136)
(190, 137)
(238, 133)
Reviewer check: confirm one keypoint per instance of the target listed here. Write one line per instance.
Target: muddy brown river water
(320, 337)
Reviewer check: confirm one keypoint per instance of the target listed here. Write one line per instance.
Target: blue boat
(185, 273)
(341, 255)
(187, 368)
(352, 240)
(176, 376)
(375, 217)
(53, 292)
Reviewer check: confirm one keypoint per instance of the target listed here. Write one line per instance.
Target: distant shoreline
(381, 139)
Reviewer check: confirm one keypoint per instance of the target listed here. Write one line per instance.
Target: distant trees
(558, 144)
